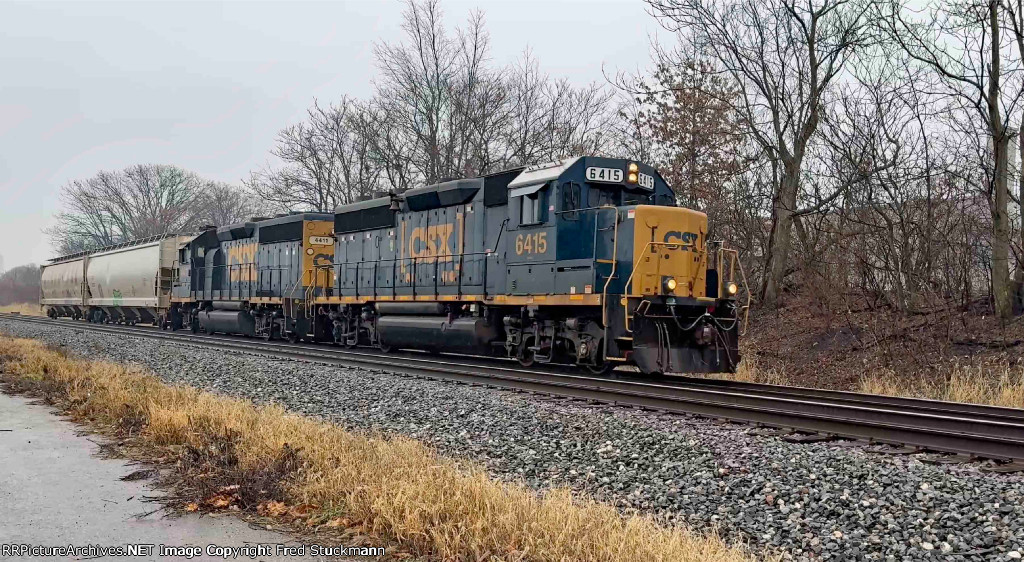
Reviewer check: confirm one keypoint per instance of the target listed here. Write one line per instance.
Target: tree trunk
(1019, 270)
(1000, 151)
(1001, 292)
(782, 233)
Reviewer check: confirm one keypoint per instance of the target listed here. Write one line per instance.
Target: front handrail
(735, 263)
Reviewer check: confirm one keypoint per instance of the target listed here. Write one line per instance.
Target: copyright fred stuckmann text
(246, 551)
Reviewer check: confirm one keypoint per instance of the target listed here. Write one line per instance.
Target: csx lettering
(240, 260)
(688, 240)
(536, 243)
(431, 241)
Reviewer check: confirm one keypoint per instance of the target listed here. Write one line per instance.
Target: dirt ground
(808, 346)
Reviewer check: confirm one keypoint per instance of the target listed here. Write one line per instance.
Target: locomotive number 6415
(536, 243)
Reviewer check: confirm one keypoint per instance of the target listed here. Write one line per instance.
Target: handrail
(627, 288)
(615, 262)
(611, 274)
(735, 261)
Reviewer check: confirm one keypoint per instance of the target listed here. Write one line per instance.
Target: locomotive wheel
(526, 356)
(272, 333)
(385, 347)
(600, 370)
(602, 367)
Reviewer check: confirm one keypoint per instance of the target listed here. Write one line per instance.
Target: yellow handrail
(734, 260)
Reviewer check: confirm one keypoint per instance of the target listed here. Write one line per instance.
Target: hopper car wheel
(385, 347)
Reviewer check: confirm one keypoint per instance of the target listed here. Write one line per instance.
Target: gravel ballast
(822, 501)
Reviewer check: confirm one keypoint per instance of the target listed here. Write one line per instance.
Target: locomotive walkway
(975, 431)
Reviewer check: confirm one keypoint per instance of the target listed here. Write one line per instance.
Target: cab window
(571, 202)
(531, 203)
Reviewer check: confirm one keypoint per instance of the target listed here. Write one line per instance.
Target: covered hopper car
(127, 283)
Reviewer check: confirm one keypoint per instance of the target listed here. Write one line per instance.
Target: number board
(646, 181)
(321, 240)
(606, 175)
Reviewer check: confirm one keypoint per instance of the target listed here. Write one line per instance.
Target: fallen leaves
(302, 511)
(272, 509)
(219, 501)
(191, 507)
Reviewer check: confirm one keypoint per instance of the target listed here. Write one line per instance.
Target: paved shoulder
(56, 492)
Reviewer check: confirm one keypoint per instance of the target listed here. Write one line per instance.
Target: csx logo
(431, 241)
(687, 240)
(240, 260)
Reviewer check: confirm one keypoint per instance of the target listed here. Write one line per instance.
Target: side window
(603, 197)
(532, 203)
(571, 201)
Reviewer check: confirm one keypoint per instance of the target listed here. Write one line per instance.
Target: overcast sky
(98, 86)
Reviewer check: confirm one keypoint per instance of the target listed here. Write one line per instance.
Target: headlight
(732, 289)
(633, 168)
(632, 178)
(670, 284)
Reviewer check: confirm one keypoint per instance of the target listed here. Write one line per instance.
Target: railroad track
(969, 430)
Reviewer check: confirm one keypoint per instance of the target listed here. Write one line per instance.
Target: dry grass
(395, 490)
(751, 369)
(27, 309)
(978, 384)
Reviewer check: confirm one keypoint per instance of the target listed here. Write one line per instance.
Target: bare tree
(222, 204)
(326, 161)
(434, 87)
(963, 43)
(20, 284)
(138, 202)
(786, 58)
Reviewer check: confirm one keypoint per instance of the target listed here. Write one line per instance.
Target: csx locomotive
(584, 261)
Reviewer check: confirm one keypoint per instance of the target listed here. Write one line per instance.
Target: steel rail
(981, 431)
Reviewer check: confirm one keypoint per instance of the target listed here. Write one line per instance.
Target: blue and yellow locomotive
(585, 261)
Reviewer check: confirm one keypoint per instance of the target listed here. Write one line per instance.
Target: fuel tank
(228, 322)
(467, 335)
(410, 308)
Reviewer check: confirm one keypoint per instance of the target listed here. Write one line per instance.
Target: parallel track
(969, 429)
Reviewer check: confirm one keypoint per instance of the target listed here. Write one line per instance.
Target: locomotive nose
(668, 250)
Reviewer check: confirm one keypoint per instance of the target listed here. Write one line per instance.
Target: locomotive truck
(585, 261)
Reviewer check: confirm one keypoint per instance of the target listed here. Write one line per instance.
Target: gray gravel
(820, 501)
